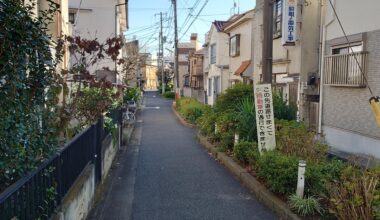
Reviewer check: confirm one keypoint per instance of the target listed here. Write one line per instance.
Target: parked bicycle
(129, 112)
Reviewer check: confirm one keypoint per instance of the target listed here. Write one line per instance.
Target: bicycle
(129, 116)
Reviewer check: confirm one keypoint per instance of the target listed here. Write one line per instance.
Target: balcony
(343, 70)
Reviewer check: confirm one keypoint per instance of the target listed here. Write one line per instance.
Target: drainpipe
(321, 60)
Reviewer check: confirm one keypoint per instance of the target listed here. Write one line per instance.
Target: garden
(334, 188)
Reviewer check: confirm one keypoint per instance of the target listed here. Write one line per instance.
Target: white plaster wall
(356, 17)
(245, 31)
(351, 142)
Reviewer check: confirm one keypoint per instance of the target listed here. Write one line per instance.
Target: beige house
(216, 69)
(150, 77)
(239, 30)
(346, 118)
(184, 50)
(98, 19)
(196, 60)
(295, 66)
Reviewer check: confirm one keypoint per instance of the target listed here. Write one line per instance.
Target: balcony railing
(343, 69)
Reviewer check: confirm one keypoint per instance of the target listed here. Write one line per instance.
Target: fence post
(120, 127)
(98, 150)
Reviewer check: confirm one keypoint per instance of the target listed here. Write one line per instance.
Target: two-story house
(101, 20)
(349, 69)
(239, 29)
(196, 60)
(295, 64)
(217, 70)
(184, 49)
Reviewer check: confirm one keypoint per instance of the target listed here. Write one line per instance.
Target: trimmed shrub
(169, 95)
(279, 171)
(231, 98)
(190, 108)
(294, 139)
(319, 175)
(244, 150)
(206, 123)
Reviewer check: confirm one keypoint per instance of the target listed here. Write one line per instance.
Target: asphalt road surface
(165, 174)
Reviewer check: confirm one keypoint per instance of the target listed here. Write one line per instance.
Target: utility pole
(267, 41)
(162, 57)
(176, 47)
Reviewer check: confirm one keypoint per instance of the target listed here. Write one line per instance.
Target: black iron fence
(38, 194)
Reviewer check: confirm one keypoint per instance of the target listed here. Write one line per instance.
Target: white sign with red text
(266, 137)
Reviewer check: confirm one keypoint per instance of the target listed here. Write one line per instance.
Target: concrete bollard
(301, 178)
(216, 128)
(236, 141)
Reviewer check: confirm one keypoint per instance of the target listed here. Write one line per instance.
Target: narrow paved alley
(166, 174)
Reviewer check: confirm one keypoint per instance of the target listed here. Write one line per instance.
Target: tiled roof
(219, 25)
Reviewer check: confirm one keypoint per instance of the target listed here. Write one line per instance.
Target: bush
(319, 175)
(169, 95)
(279, 171)
(190, 108)
(229, 100)
(244, 150)
(305, 206)
(294, 139)
(206, 123)
(281, 109)
(132, 94)
(246, 120)
(355, 194)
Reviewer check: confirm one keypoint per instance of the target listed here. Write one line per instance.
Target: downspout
(321, 61)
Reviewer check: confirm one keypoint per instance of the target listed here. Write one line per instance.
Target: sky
(144, 19)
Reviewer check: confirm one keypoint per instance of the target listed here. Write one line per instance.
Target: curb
(180, 119)
(261, 193)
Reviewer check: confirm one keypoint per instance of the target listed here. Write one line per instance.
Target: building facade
(348, 69)
(217, 69)
(184, 50)
(196, 60)
(295, 66)
(239, 30)
(98, 19)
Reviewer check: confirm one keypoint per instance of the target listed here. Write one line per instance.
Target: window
(277, 19)
(344, 67)
(209, 87)
(235, 45)
(72, 17)
(212, 54)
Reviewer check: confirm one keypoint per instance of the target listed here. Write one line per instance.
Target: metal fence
(40, 192)
(346, 69)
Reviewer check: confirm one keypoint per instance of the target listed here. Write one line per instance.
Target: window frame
(213, 55)
(236, 44)
(277, 18)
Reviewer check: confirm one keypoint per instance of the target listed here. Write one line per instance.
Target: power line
(195, 18)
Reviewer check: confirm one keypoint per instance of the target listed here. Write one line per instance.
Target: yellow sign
(375, 106)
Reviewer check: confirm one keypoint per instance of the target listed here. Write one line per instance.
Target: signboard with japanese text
(266, 137)
(289, 22)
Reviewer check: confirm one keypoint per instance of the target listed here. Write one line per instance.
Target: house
(239, 30)
(196, 60)
(184, 49)
(349, 70)
(150, 77)
(295, 62)
(216, 71)
(101, 20)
